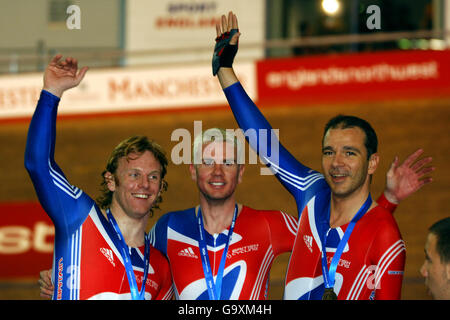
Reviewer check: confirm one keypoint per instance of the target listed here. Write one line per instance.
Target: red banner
(354, 77)
(26, 240)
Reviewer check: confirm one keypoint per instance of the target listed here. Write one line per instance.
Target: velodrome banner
(125, 90)
(364, 77)
(357, 77)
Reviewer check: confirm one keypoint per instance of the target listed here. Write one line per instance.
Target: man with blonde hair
(221, 249)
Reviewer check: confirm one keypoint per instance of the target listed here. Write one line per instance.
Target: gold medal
(329, 294)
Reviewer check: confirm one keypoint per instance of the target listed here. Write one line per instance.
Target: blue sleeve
(158, 234)
(66, 205)
(301, 181)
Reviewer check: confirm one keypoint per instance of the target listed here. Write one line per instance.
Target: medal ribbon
(214, 289)
(329, 276)
(123, 249)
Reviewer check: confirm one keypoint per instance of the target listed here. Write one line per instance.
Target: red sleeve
(283, 229)
(385, 203)
(388, 253)
(166, 290)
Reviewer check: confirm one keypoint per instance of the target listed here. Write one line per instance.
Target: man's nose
(143, 182)
(338, 160)
(218, 168)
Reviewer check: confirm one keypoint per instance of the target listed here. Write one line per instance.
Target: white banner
(129, 89)
(159, 27)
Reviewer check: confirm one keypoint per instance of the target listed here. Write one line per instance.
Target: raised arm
(401, 181)
(299, 180)
(52, 187)
(62, 75)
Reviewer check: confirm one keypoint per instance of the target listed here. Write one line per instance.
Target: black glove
(224, 52)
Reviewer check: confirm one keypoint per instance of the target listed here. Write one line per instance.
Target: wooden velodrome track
(84, 144)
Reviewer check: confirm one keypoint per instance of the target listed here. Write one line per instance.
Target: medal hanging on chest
(329, 294)
(330, 274)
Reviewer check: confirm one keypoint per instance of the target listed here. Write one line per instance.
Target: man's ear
(110, 181)
(241, 172)
(193, 172)
(162, 187)
(373, 163)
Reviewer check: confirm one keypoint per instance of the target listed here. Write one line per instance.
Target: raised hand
(60, 76)
(227, 25)
(226, 43)
(405, 179)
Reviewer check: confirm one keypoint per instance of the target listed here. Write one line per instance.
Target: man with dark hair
(98, 254)
(347, 246)
(344, 122)
(436, 268)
